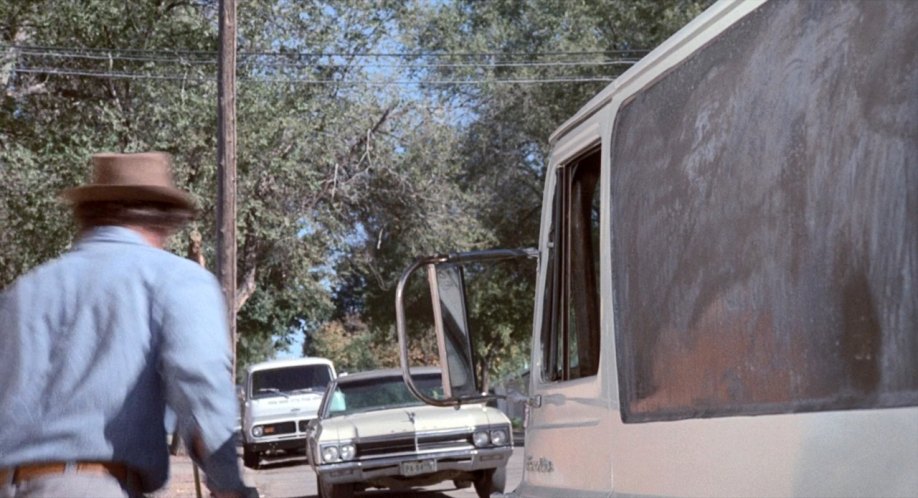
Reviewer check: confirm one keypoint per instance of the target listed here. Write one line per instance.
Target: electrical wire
(110, 57)
(284, 62)
(147, 76)
(328, 54)
(461, 65)
(293, 63)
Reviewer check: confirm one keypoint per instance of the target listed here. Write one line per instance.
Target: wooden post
(226, 176)
(226, 166)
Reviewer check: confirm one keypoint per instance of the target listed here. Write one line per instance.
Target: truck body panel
(757, 203)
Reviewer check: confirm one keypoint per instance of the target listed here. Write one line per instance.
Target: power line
(147, 76)
(281, 66)
(292, 63)
(466, 65)
(242, 53)
(113, 75)
(111, 57)
(280, 62)
(446, 65)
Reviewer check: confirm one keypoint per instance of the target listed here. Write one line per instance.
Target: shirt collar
(111, 234)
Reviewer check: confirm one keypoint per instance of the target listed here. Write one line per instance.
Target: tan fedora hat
(145, 176)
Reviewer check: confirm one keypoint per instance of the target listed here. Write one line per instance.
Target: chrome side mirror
(455, 341)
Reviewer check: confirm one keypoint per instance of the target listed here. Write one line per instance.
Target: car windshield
(290, 380)
(380, 394)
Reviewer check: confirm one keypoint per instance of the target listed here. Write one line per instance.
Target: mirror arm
(487, 255)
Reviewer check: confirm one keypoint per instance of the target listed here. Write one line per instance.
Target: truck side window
(570, 330)
(756, 269)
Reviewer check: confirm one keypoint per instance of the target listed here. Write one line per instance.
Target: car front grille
(409, 443)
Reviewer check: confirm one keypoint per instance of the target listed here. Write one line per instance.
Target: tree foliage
(501, 143)
(343, 176)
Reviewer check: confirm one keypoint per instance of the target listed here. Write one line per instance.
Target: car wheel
(490, 481)
(328, 490)
(250, 458)
(461, 483)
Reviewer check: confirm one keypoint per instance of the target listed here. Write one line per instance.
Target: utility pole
(226, 166)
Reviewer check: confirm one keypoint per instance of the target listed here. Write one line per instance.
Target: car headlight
(257, 431)
(330, 454)
(499, 437)
(481, 439)
(347, 451)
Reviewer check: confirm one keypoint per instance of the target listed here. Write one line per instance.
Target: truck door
(568, 412)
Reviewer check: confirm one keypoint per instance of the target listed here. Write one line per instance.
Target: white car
(372, 432)
(281, 397)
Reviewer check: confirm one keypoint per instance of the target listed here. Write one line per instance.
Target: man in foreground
(96, 343)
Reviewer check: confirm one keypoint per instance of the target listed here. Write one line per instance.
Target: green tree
(142, 77)
(503, 142)
(344, 176)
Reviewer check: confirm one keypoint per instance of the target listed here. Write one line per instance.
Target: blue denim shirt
(94, 344)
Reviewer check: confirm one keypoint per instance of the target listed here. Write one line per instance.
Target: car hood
(394, 421)
(300, 405)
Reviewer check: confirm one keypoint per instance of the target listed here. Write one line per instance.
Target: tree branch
(29, 90)
(195, 251)
(245, 291)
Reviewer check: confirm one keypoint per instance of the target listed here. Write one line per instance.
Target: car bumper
(381, 468)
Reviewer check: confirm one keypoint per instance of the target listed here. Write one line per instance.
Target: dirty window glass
(764, 226)
(290, 380)
(570, 335)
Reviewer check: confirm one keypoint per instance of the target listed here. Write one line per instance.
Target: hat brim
(109, 193)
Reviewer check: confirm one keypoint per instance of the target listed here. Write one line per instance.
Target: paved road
(294, 478)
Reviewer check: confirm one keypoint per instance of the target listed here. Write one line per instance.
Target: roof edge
(695, 28)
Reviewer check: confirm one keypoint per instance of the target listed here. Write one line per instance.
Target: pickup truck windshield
(290, 380)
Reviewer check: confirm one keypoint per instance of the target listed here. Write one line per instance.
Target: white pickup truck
(281, 397)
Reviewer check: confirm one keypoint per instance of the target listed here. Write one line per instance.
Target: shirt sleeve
(196, 368)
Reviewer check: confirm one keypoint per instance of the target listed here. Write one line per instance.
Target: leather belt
(27, 472)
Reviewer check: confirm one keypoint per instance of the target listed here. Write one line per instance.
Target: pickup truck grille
(409, 443)
(280, 428)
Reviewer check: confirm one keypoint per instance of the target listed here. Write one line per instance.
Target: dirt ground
(181, 480)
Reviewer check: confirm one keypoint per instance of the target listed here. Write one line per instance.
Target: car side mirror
(455, 341)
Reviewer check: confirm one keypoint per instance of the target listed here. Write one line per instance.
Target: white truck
(727, 289)
(281, 398)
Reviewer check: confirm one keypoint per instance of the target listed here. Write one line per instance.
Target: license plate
(420, 467)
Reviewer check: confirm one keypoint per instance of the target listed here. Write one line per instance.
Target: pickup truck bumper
(298, 444)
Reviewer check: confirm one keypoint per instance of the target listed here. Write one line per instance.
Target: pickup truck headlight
(257, 431)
